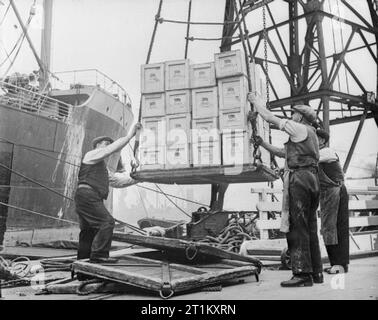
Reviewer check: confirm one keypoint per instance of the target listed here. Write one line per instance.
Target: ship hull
(40, 158)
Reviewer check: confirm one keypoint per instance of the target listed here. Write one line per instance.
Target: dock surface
(360, 283)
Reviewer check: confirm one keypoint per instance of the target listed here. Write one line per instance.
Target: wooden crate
(205, 102)
(154, 131)
(202, 75)
(178, 101)
(152, 158)
(152, 78)
(206, 153)
(178, 156)
(233, 93)
(230, 63)
(153, 105)
(236, 147)
(233, 119)
(204, 129)
(178, 129)
(177, 75)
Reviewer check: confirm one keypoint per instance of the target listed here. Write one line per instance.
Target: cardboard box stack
(196, 114)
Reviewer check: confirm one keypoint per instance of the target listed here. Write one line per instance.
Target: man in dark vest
(301, 192)
(334, 201)
(96, 223)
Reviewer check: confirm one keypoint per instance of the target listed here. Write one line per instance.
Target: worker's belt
(313, 169)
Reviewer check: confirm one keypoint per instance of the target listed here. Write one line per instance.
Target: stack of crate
(152, 141)
(196, 114)
(166, 115)
(206, 141)
(178, 110)
(231, 74)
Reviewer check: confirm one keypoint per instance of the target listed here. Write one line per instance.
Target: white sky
(113, 36)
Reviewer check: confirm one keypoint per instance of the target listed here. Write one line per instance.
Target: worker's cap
(100, 139)
(308, 113)
(323, 134)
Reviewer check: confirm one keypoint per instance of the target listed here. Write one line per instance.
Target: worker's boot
(318, 277)
(103, 260)
(299, 280)
(335, 269)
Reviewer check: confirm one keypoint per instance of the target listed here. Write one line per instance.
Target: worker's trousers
(302, 237)
(96, 225)
(338, 253)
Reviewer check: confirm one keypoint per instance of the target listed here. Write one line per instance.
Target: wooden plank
(351, 191)
(269, 206)
(182, 246)
(354, 205)
(363, 204)
(353, 222)
(204, 175)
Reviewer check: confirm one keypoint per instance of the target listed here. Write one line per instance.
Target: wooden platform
(36, 253)
(187, 251)
(207, 175)
(164, 277)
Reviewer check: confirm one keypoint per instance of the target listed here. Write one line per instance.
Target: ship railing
(30, 100)
(73, 79)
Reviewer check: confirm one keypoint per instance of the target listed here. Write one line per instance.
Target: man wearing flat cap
(301, 191)
(96, 223)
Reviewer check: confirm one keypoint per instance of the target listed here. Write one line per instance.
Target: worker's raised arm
(97, 155)
(279, 152)
(260, 106)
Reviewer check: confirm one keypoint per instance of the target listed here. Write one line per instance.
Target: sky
(113, 36)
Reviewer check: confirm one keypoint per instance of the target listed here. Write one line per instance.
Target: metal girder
(351, 99)
(228, 29)
(354, 142)
(336, 121)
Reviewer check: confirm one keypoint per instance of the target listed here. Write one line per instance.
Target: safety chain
(266, 65)
(252, 117)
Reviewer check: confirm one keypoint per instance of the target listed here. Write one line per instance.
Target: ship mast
(46, 43)
(43, 63)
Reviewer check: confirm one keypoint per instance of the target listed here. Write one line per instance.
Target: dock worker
(334, 213)
(301, 191)
(96, 223)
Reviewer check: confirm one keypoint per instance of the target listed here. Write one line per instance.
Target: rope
(36, 213)
(187, 200)
(188, 29)
(22, 40)
(36, 182)
(136, 144)
(173, 202)
(166, 195)
(18, 43)
(41, 153)
(5, 14)
(25, 187)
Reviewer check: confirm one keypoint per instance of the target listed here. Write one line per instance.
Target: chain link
(265, 34)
